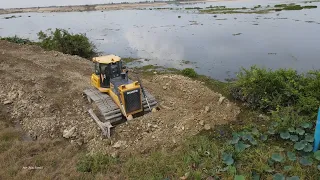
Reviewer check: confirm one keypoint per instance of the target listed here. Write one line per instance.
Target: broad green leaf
(294, 138)
(287, 168)
(255, 175)
(305, 161)
(241, 133)
(293, 178)
(253, 141)
(235, 140)
(277, 157)
(227, 159)
(316, 155)
(232, 170)
(271, 131)
(268, 169)
(291, 156)
(278, 176)
(306, 125)
(304, 142)
(309, 138)
(308, 148)
(291, 129)
(285, 135)
(274, 124)
(264, 137)
(255, 131)
(270, 162)
(239, 177)
(299, 145)
(318, 167)
(240, 146)
(247, 137)
(300, 131)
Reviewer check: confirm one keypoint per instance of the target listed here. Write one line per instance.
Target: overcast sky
(36, 3)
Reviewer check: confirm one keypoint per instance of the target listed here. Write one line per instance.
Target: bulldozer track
(109, 111)
(107, 107)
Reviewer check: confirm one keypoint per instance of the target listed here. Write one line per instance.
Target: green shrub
(65, 42)
(189, 72)
(287, 117)
(18, 40)
(95, 163)
(269, 90)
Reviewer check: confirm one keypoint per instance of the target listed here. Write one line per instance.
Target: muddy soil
(43, 90)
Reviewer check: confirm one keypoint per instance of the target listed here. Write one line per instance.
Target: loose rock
(221, 99)
(201, 122)
(115, 154)
(69, 133)
(207, 127)
(119, 144)
(7, 102)
(206, 109)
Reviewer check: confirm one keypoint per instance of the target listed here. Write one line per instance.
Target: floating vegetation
(11, 17)
(293, 7)
(258, 6)
(187, 62)
(188, 8)
(309, 21)
(237, 34)
(255, 10)
(309, 7)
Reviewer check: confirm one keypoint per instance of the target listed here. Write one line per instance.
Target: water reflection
(217, 44)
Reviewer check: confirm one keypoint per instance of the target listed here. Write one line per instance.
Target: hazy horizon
(41, 3)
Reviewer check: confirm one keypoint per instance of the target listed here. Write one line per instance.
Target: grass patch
(293, 7)
(309, 7)
(281, 5)
(255, 10)
(235, 11)
(95, 163)
(193, 160)
(18, 40)
(189, 8)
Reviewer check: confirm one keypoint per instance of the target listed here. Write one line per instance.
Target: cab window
(96, 68)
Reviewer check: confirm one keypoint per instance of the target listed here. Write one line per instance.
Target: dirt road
(44, 92)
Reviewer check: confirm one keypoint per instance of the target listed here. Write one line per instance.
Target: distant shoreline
(80, 8)
(94, 7)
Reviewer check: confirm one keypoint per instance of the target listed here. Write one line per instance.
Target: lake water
(217, 46)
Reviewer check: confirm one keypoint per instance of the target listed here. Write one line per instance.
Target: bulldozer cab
(108, 68)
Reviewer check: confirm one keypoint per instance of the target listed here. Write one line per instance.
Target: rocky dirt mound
(187, 107)
(44, 92)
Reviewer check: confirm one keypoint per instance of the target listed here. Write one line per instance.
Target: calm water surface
(217, 46)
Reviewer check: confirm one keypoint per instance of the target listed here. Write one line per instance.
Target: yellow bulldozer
(114, 96)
